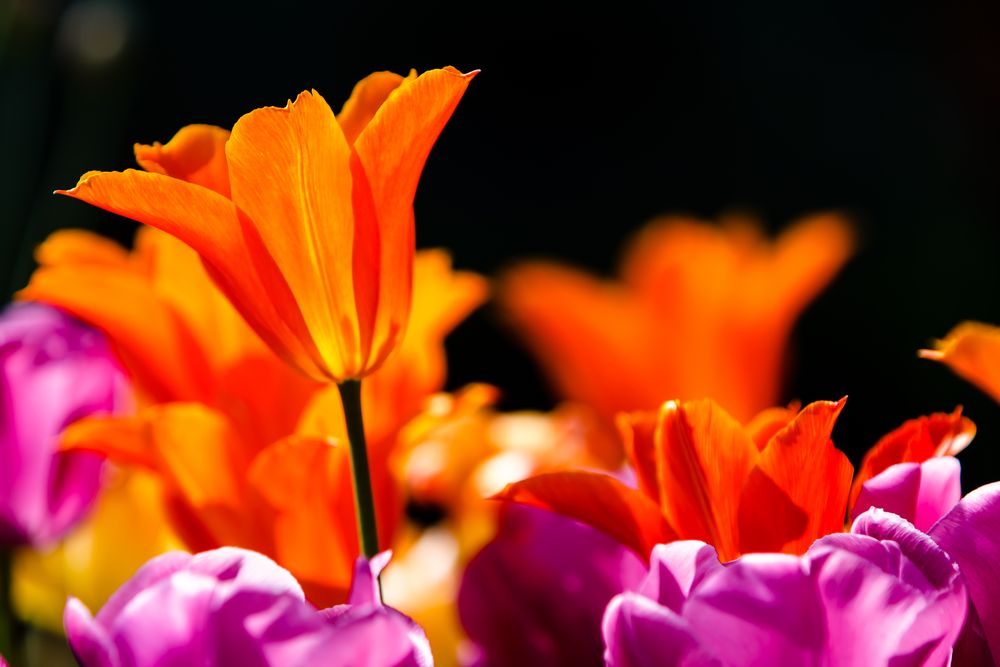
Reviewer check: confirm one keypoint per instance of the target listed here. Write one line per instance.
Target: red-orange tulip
(304, 219)
(776, 484)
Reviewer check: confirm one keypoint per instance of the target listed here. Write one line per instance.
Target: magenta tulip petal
(230, 606)
(676, 568)
(638, 632)
(762, 609)
(89, 641)
(53, 370)
(889, 597)
(364, 588)
(970, 533)
(145, 577)
(374, 636)
(919, 492)
(940, 490)
(536, 594)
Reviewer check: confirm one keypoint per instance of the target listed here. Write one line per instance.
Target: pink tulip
(53, 370)
(231, 606)
(887, 595)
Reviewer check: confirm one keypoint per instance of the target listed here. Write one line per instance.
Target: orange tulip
(304, 219)
(972, 350)
(776, 484)
(700, 311)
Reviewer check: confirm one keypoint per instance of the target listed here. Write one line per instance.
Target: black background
(585, 122)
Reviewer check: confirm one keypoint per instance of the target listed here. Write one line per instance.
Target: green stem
(8, 622)
(364, 501)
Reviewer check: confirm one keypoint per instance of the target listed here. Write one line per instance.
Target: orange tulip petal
(637, 430)
(196, 154)
(766, 424)
(703, 459)
(210, 224)
(565, 316)
(96, 283)
(915, 441)
(121, 439)
(392, 149)
(802, 462)
(972, 350)
(76, 246)
(307, 481)
(195, 451)
(601, 501)
(366, 98)
(290, 173)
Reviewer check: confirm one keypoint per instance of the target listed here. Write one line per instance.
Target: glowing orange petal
(81, 274)
(766, 424)
(566, 317)
(304, 215)
(121, 439)
(601, 501)
(209, 223)
(366, 98)
(972, 350)
(917, 440)
(196, 154)
(195, 451)
(308, 483)
(802, 463)
(392, 150)
(637, 431)
(703, 458)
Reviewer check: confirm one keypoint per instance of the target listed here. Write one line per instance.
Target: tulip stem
(364, 501)
(8, 622)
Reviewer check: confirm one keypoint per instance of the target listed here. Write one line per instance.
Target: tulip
(231, 606)
(536, 593)
(883, 595)
(54, 370)
(700, 310)
(774, 484)
(303, 218)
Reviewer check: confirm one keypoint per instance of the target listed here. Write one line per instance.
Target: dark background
(584, 124)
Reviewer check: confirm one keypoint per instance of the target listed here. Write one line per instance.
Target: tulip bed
(230, 444)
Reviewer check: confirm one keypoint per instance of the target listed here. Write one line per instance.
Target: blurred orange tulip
(304, 219)
(701, 311)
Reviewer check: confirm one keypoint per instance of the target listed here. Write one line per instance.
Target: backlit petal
(703, 459)
(290, 173)
(366, 98)
(307, 482)
(196, 154)
(210, 223)
(801, 462)
(972, 350)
